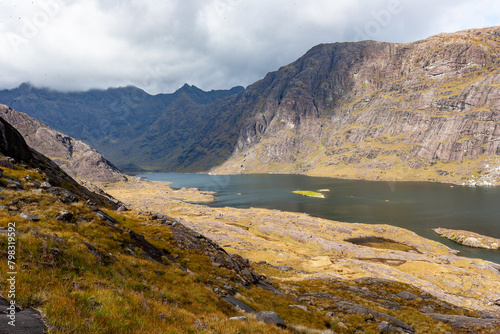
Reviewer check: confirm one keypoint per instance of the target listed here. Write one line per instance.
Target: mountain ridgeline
(133, 129)
(426, 110)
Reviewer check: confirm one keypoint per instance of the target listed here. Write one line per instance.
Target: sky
(158, 45)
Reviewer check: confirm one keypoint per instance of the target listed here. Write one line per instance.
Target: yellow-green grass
(118, 292)
(309, 193)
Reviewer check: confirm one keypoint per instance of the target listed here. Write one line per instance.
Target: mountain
(17, 155)
(426, 110)
(118, 121)
(75, 157)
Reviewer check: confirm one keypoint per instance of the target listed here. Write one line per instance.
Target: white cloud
(160, 44)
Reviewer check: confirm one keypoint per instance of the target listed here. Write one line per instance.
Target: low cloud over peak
(158, 45)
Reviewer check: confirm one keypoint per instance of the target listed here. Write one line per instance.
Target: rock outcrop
(468, 238)
(75, 157)
(13, 146)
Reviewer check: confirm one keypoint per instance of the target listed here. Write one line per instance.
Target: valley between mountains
(105, 252)
(426, 111)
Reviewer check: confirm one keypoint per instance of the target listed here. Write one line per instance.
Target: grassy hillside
(102, 271)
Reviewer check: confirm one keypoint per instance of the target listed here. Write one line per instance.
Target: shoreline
(315, 247)
(451, 183)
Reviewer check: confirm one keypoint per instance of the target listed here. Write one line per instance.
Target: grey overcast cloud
(158, 45)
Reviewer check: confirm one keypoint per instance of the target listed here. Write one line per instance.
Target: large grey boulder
(270, 318)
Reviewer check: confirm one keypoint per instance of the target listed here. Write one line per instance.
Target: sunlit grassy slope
(88, 276)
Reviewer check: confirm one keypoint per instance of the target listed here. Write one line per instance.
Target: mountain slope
(75, 157)
(114, 120)
(427, 110)
(14, 149)
(74, 267)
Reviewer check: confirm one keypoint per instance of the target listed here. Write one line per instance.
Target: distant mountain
(75, 157)
(426, 110)
(117, 121)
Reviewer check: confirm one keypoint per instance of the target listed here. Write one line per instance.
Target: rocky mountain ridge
(134, 130)
(75, 157)
(426, 110)
(15, 150)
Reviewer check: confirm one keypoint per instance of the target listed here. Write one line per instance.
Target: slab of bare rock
(238, 304)
(66, 196)
(29, 217)
(104, 216)
(385, 327)
(65, 215)
(270, 318)
(354, 308)
(45, 185)
(245, 273)
(459, 322)
(467, 238)
(427, 309)
(407, 295)
(149, 250)
(302, 307)
(27, 321)
(7, 162)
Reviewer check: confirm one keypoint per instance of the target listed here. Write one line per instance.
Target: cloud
(160, 44)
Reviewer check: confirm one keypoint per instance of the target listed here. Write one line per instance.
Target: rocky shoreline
(467, 238)
(314, 247)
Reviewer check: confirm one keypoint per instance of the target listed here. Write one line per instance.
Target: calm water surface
(416, 206)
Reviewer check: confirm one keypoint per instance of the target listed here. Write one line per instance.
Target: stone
(302, 307)
(65, 215)
(240, 318)
(29, 217)
(385, 327)
(407, 295)
(427, 309)
(45, 185)
(122, 208)
(270, 318)
(461, 323)
(238, 304)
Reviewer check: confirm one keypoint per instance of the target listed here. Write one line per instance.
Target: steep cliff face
(75, 157)
(427, 110)
(15, 150)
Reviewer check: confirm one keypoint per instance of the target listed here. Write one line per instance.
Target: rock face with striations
(14, 148)
(426, 110)
(75, 157)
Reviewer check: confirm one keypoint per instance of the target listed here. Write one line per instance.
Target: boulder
(270, 318)
(385, 327)
(29, 217)
(65, 215)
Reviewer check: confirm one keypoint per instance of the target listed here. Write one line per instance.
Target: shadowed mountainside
(134, 130)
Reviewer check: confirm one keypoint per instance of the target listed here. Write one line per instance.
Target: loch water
(416, 206)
